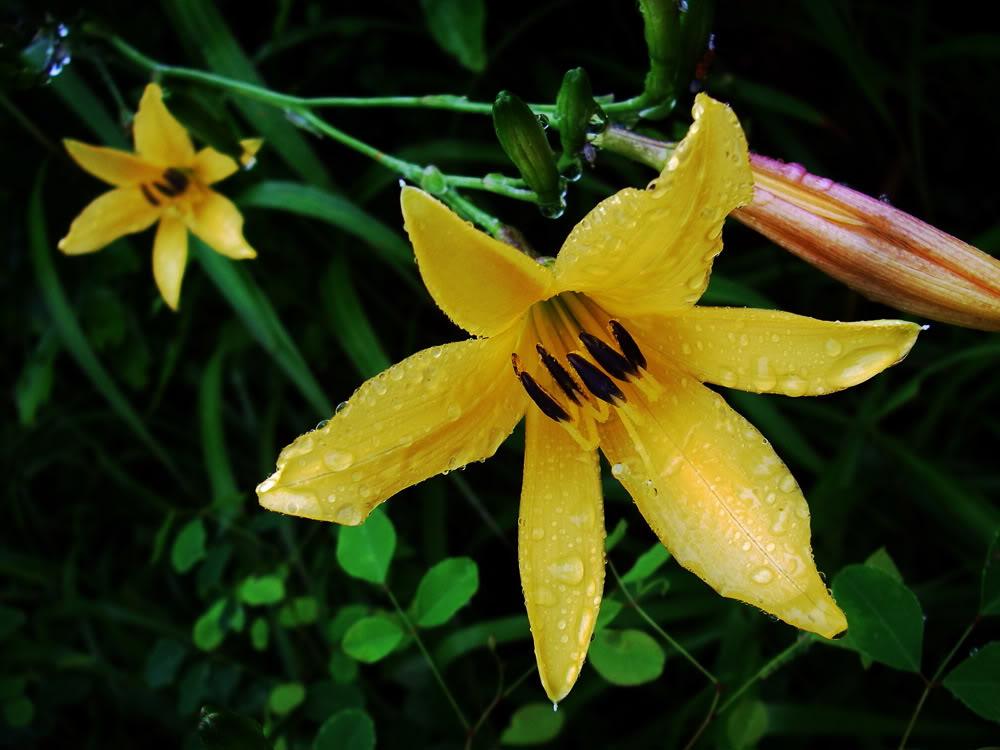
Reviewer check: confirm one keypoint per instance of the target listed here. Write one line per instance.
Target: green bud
(577, 114)
(226, 730)
(661, 27)
(432, 180)
(523, 140)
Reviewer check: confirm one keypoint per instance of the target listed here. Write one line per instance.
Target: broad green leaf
(220, 729)
(286, 697)
(302, 610)
(349, 321)
(192, 687)
(365, 551)
(881, 560)
(610, 608)
(884, 617)
(163, 662)
(532, 724)
(345, 617)
(262, 590)
(342, 668)
(626, 657)
(458, 27)
(746, 724)
(211, 628)
(213, 441)
(976, 681)
(615, 536)
(443, 590)
(723, 290)
(990, 589)
(349, 729)
(260, 633)
(371, 639)
(647, 564)
(189, 546)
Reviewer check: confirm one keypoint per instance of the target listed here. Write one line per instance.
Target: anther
(613, 363)
(560, 375)
(549, 406)
(177, 183)
(148, 195)
(596, 381)
(627, 344)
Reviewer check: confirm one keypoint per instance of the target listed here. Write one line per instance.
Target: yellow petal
(482, 284)
(116, 213)
(212, 166)
(250, 148)
(722, 502)
(169, 258)
(650, 251)
(767, 351)
(159, 138)
(433, 412)
(560, 549)
(118, 168)
(219, 223)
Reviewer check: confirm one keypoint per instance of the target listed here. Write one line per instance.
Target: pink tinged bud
(882, 252)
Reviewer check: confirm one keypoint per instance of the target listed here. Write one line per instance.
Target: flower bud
(523, 140)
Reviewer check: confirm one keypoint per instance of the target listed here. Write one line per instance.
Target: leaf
(615, 536)
(365, 551)
(349, 729)
(34, 384)
(263, 590)
(647, 564)
(163, 662)
(626, 657)
(286, 697)
(444, 589)
(349, 321)
(458, 27)
(342, 668)
(345, 617)
(990, 589)
(189, 546)
(213, 440)
(220, 729)
(260, 633)
(976, 681)
(610, 608)
(884, 617)
(10, 620)
(880, 560)
(211, 628)
(19, 712)
(302, 610)
(371, 639)
(746, 724)
(532, 724)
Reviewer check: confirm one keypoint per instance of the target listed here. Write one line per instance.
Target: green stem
(708, 717)
(765, 670)
(427, 657)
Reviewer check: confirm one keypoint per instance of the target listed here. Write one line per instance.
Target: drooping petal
(217, 221)
(433, 412)
(482, 284)
(116, 213)
(560, 549)
(169, 258)
(211, 165)
(118, 168)
(768, 351)
(159, 138)
(722, 502)
(650, 251)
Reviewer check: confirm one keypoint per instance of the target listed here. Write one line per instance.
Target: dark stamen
(559, 374)
(177, 179)
(549, 406)
(627, 344)
(148, 194)
(614, 363)
(596, 381)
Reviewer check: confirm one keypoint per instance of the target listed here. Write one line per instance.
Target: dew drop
(379, 387)
(746, 546)
(338, 460)
(762, 575)
(544, 596)
(859, 365)
(349, 515)
(331, 498)
(537, 532)
(793, 385)
(788, 483)
(728, 378)
(343, 408)
(618, 469)
(695, 282)
(454, 411)
(568, 570)
(833, 347)
(322, 423)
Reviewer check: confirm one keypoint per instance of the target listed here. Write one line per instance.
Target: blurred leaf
(371, 639)
(213, 441)
(349, 321)
(260, 633)
(10, 620)
(350, 729)
(302, 610)
(11, 687)
(464, 640)
(34, 384)
(163, 662)
(78, 97)
(365, 551)
(210, 629)
(976, 681)
(990, 589)
(615, 536)
(189, 546)
(765, 413)
(746, 724)
(19, 712)
(880, 560)
(160, 538)
(884, 617)
(345, 617)
(532, 724)
(220, 729)
(610, 608)
(192, 687)
(342, 668)
(647, 564)
(458, 27)
(444, 589)
(210, 573)
(766, 98)
(286, 697)
(626, 657)
(723, 290)
(262, 590)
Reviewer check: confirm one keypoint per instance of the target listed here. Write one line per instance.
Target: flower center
(577, 385)
(171, 185)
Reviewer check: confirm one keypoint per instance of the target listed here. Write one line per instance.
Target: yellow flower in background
(165, 181)
(608, 351)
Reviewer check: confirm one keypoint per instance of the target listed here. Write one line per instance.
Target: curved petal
(159, 138)
(169, 258)
(482, 284)
(767, 351)
(217, 221)
(211, 165)
(118, 168)
(722, 502)
(560, 549)
(116, 213)
(433, 412)
(650, 251)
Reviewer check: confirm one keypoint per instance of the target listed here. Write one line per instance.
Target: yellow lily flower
(608, 351)
(164, 180)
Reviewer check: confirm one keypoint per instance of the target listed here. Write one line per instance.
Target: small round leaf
(349, 729)
(626, 657)
(372, 638)
(443, 590)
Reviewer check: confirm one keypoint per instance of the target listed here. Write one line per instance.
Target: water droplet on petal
(568, 570)
(544, 596)
(454, 412)
(349, 515)
(833, 347)
(338, 460)
(788, 483)
(762, 575)
(343, 408)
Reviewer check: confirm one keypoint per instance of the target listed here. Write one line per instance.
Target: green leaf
(213, 441)
(163, 662)
(286, 697)
(615, 536)
(880, 560)
(365, 551)
(458, 27)
(884, 617)
(345, 617)
(647, 564)
(990, 589)
(444, 589)
(220, 729)
(976, 681)
(610, 608)
(211, 628)
(160, 538)
(189, 546)
(532, 724)
(372, 638)
(349, 729)
(626, 657)
(341, 667)
(10, 620)
(262, 590)
(746, 724)
(260, 633)
(302, 610)
(349, 321)
(34, 384)
(19, 712)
